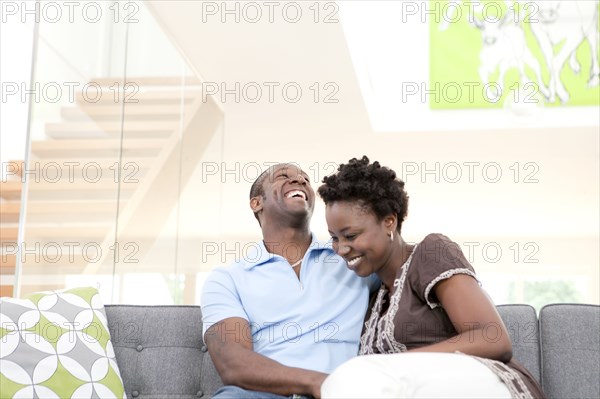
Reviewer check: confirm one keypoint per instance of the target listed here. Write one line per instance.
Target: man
(277, 323)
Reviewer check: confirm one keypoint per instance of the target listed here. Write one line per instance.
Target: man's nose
(298, 179)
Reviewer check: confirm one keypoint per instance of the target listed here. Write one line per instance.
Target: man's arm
(230, 346)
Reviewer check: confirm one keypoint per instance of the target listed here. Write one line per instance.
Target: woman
(429, 301)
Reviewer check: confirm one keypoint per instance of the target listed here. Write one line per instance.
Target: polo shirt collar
(259, 255)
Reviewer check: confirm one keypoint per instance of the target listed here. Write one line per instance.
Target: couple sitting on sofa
(289, 320)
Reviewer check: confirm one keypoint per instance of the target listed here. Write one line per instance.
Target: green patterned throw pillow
(57, 345)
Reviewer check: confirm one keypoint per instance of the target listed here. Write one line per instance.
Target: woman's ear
(390, 222)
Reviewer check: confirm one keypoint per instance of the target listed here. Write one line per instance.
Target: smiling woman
(430, 301)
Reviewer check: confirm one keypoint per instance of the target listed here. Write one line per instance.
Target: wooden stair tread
(10, 207)
(80, 230)
(11, 189)
(142, 96)
(132, 111)
(148, 81)
(9, 211)
(50, 266)
(108, 183)
(81, 144)
(94, 144)
(14, 167)
(70, 165)
(107, 194)
(64, 212)
(8, 261)
(8, 234)
(71, 206)
(111, 128)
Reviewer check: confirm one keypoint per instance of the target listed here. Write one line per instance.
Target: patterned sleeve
(438, 258)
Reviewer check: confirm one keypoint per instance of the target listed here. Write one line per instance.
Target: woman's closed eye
(347, 237)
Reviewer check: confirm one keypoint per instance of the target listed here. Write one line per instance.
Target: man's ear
(256, 203)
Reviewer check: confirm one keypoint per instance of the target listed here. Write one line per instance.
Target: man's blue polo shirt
(313, 323)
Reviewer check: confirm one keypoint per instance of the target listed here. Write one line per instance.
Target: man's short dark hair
(257, 187)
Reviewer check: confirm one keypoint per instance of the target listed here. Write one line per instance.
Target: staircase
(96, 179)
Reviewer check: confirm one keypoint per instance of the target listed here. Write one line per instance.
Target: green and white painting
(485, 54)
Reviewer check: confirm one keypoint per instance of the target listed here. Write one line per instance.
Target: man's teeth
(354, 261)
(294, 193)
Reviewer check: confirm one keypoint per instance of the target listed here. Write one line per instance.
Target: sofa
(161, 354)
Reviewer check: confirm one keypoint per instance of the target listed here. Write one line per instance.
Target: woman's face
(359, 237)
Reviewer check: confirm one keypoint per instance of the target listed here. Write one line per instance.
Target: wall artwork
(494, 54)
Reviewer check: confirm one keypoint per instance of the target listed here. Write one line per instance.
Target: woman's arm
(481, 331)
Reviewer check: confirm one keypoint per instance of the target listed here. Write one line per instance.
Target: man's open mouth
(296, 194)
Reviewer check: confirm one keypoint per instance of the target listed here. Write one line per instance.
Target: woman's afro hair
(371, 185)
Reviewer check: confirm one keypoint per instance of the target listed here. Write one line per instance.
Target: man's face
(288, 192)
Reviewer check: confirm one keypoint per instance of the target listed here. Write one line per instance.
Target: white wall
(16, 45)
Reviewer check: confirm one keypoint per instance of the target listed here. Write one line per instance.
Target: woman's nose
(342, 249)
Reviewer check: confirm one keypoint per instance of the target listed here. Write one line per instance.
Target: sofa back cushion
(570, 336)
(522, 325)
(160, 351)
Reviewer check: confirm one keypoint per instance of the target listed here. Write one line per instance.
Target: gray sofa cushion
(570, 336)
(161, 352)
(522, 325)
